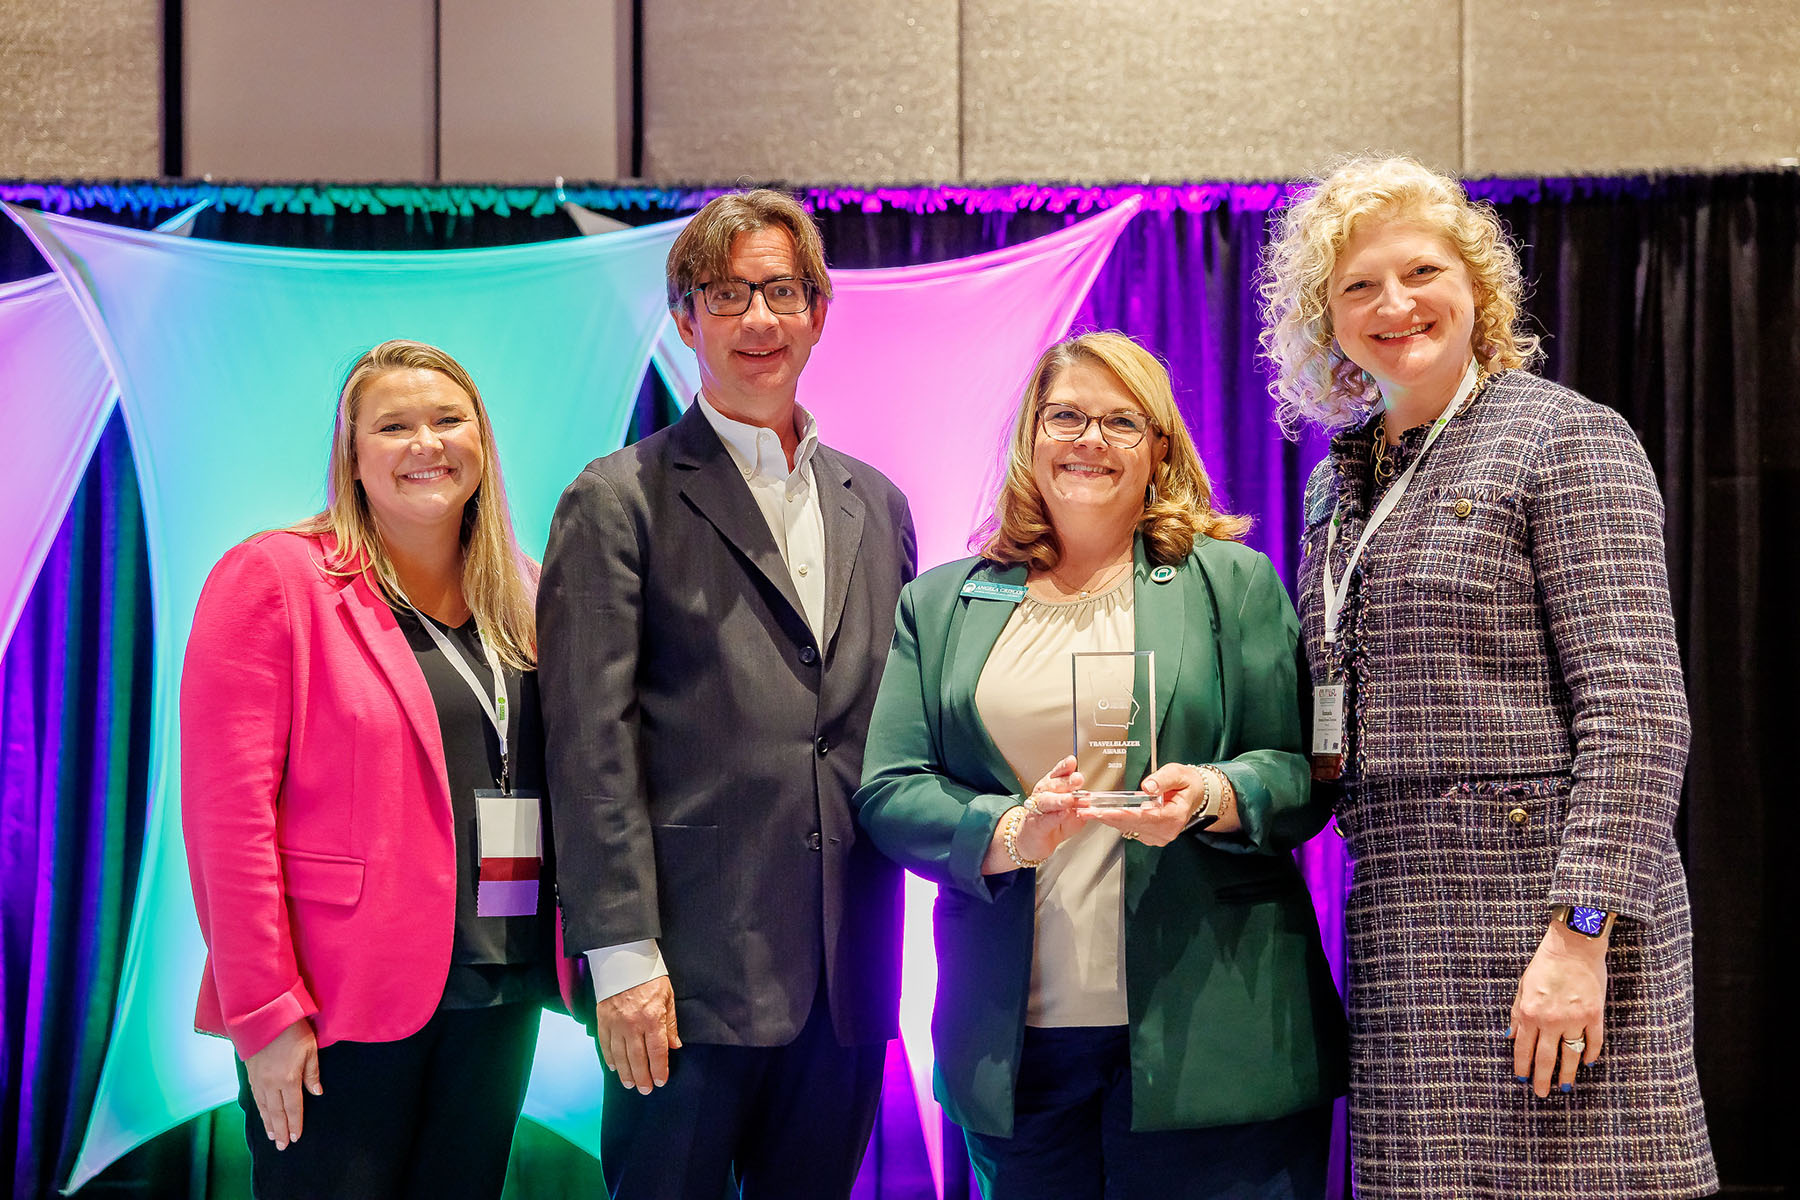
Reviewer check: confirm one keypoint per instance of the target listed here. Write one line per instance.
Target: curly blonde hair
(1019, 528)
(499, 580)
(1313, 380)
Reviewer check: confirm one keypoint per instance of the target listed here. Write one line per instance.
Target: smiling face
(1403, 309)
(750, 364)
(1087, 483)
(418, 451)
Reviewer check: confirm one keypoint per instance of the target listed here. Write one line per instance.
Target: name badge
(509, 836)
(1328, 731)
(987, 589)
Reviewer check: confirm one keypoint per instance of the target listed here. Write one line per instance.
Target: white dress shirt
(790, 505)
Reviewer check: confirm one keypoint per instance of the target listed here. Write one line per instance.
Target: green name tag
(985, 589)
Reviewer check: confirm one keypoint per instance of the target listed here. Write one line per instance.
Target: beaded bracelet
(1216, 787)
(1014, 818)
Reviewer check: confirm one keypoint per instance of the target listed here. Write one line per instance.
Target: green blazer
(1233, 1015)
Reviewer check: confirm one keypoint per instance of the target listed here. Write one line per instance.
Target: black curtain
(1672, 299)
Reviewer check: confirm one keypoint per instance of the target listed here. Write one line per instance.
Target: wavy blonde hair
(1313, 380)
(499, 581)
(1019, 528)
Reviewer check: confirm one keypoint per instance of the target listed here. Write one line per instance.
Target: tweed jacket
(1517, 599)
(1232, 1012)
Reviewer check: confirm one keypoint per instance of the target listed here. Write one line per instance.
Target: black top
(493, 960)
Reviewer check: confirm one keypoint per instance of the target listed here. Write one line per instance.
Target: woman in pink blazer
(362, 772)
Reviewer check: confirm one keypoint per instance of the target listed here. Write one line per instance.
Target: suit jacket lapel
(1160, 625)
(373, 621)
(842, 510)
(711, 482)
(975, 626)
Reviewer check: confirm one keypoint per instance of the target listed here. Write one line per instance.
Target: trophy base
(1114, 799)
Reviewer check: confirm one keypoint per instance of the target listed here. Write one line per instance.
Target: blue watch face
(1591, 921)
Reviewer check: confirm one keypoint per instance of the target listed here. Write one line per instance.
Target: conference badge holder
(509, 836)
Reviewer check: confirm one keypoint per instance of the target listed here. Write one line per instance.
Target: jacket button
(814, 841)
(1518, 816)
(808, 655)
(822, 746)
(1464, 506)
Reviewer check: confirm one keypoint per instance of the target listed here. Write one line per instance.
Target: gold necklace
(1384, 460)
(1382, 463)
(1083, 593)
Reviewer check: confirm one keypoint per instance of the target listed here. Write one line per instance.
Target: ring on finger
(1128, 835)
(1577, 1044)
(1031, 806)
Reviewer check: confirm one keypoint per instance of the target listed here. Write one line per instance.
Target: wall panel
(531, 89)
(800, 90)
(326, 89)
(80, 88)
(1620, 85)
(1173, 89)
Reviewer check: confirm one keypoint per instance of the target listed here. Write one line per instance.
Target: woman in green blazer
(1131, 1001)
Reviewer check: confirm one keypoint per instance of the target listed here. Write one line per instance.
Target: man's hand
(277, 1073)
(636, 1030)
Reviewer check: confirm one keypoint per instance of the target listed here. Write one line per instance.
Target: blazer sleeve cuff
(1593, 884)
(255, 1030)
(969, 845)
(1253, 803)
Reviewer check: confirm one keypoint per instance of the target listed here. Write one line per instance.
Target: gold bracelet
(1216, 794)
(1014, 818)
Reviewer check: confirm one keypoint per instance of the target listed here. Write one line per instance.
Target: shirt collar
(757, 450)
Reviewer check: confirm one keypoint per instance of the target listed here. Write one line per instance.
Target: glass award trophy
(1115, 713)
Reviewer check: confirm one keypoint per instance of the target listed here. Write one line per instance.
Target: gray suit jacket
(704, 746)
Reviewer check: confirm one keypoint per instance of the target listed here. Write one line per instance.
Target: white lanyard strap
(1335, 596)
(495, 705)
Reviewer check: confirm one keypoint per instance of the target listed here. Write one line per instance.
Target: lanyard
(495, 705)
(1336, 596)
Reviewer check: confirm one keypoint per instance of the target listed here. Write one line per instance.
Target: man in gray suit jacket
(716, 605)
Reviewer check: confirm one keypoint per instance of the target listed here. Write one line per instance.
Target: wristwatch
(1588, 922)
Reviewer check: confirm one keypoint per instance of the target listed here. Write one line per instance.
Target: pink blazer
(315, 805)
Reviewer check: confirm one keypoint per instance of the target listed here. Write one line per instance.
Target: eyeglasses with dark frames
(1122, 428)
(731, 297)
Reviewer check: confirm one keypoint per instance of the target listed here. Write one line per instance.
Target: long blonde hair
(498, 580)
(1019, 528)
(1314, 381)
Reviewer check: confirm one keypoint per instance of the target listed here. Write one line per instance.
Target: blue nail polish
(1567, 1088)
(1508, 1031)
(1521, 1079)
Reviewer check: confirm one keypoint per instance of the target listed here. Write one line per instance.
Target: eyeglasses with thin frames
(731, 297)
(1121, 428)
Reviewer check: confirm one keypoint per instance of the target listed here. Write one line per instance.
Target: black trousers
(428, 1116)
(1072, 1137)
(787, 1122)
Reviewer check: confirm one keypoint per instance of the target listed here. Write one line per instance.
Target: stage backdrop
(1675, 300)
(224, 355)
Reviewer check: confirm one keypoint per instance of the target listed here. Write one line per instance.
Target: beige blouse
(1026, 697)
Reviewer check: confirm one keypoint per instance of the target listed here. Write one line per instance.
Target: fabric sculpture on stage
(55, 396)
(228, 358)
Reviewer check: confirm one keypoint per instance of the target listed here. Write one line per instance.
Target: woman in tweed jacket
(1514, 726)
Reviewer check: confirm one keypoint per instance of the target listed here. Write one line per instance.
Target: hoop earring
(1149, 494)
